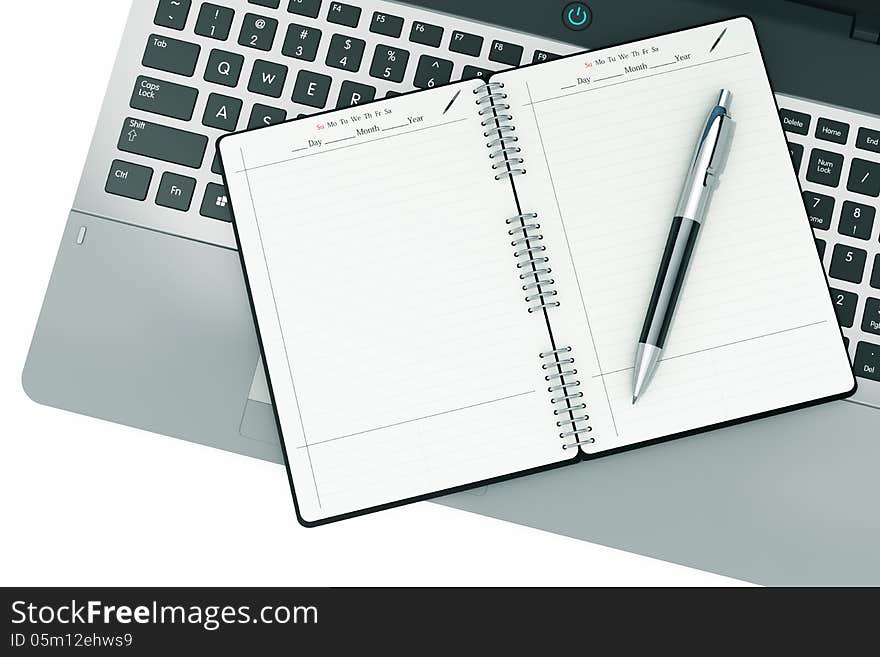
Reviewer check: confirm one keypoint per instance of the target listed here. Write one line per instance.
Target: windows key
(215, 204)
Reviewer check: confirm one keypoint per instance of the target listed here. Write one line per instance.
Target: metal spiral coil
(569, 405)
(499, 125)
(529, 255)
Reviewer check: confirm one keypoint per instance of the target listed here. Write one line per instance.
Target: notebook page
(399, 349)
(608, 138)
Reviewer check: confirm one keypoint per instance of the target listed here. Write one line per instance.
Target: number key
(258, 32)
(856, 220)
(845, 306)
(871, 320)
(432, 72)
(389, 63)
(214, 21)
(345, 52)
(864, 177)
(848, 263)
(819, 209)
(301, 42)
(866, 363)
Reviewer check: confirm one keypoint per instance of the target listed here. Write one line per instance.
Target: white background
(85, 502)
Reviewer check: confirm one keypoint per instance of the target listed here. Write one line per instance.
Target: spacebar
(162, 143)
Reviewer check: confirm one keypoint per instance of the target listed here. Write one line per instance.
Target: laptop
(146, 321)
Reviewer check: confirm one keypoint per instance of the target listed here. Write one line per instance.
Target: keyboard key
(267, 79)
(353, 93)
(848, 263)
(866, 363)
(856, 220)
(175, 192)
(162, 143)
(845, 304)
(214, 21)
(475, 72)
(309, 8)
(273, 4)
(343, 14)
(505, 53)
(311, 89)
(263, 115)
(871, 319)
(832, 131)
(217, 164)
(875, 276)
(215, 203)
(170, 55)
(543, 56)
(820, 208)
(173, 13)
(128, 180)
(386, 24)
(165, 98)
(222, 112)
(345, 53)
(824, 167)
(389, 63)
(797, 155)
(426, 34)
(864, 177)
(466, 44)
(796, 122)
(224, 68)
(868, 140)
(258, 32)
(301, 42)
(432, 72)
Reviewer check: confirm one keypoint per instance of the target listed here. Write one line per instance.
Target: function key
(310, 8)
(875, 276)
(506, 53)
(795, 121)
(345, 53)
(475, 73)
(389, 63)
(832, 131)
(825, 167)
(344, 14)
(386, 24)
(432, 72)
(214, 21)
(797, 155)
(848, 263)
(856, 220)
(864, 177)
(866, 363)
(171, 55)
(258, 32)
(173, 13)
(466, 44)
(128, 180)
(175, 191)
(311, 89)
(819, 209)
(541, 56)
(868, 140)
(272, 4)
(224, 68)
(871, 320)
(845, 304)
(301, 42)
(215, 204)
(426, 34)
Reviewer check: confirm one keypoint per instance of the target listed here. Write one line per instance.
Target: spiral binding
(499, 128)
(529, 255)
(570, 402)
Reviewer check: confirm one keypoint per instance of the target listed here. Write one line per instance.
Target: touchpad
(258, 420)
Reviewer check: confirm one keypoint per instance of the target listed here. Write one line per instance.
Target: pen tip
(635, 397)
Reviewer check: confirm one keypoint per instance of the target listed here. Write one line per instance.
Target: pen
(703, 176)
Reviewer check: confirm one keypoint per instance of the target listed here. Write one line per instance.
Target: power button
(577, 16)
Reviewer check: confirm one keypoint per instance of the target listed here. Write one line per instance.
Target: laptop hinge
(866, 27)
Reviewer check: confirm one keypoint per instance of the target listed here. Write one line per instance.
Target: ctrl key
(129, 180)
(866, 363)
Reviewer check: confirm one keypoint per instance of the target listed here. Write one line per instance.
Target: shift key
(162, 143)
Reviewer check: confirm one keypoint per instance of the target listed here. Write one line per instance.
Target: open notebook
(411, 353)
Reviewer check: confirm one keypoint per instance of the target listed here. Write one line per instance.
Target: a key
(796, 122)
(343, 14)
(797, 155)
(273, 4)
(345, 53)
(541, 56)
(267, 79)
(170, 55)
(475, 72)
(832, 131)
(215, 203)
(432, 72)
(845, 306)
(820, 247)
(389, 63)
(466, 44)
(871, 319)
(258, 32)
(175, 192)
(426, 34)
(173, 13)
(222, 112)
(128, 180)
(165, 98)
(820, 208)
(308, 8)
(875, 275)
(848, 263)
(301, 42)
(162, 143)
(263, 115)
(824, 167)
(217, 164)
(864, 177)
(386, 24)
(505, 53)
(856, 220)
(214, 21)
(353, 93)
(866, 363)
(224, 68)
(868, 140)
(311, 89)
